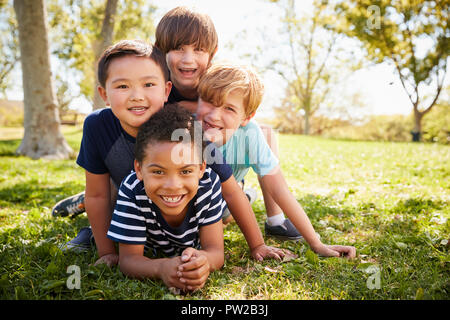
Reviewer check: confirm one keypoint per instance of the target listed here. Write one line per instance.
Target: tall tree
(312, 64)
(42, 135)
(398, 32)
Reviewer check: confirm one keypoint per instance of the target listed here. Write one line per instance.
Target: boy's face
(220, 122)
(186, 65)
(135, 89)
(171, 172)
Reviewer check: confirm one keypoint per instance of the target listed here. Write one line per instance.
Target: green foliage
(412, 35)
(76, 26)
(436, 126)
(388, 200)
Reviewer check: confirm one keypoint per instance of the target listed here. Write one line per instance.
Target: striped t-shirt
(137, 220)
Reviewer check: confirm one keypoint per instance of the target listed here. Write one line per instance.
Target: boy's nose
(136, 95)
(172, 183)
(188, 56)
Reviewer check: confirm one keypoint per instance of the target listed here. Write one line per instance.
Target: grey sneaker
(83, 242)
(285, 231)
(72, 206)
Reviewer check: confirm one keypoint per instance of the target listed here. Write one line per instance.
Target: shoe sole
(285, 238)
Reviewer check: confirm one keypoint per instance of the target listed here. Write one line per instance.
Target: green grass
(389, 200)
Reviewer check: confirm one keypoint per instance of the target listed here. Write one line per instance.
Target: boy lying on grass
(172, 204)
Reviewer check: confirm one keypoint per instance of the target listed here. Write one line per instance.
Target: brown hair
(222, 78)
(136, 48)
(183, 26)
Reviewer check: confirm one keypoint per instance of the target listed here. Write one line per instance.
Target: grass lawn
(389, 200)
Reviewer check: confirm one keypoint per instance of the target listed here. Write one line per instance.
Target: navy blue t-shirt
(107, 148)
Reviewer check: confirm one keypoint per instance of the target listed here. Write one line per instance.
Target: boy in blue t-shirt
(229, 96)
(172, 205)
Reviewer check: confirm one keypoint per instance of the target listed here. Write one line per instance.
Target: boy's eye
(186, 172)
(148, 85)
(157, 172)
(122, 86)
(230, 109)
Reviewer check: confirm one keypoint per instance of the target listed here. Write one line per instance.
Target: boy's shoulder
(100, 116)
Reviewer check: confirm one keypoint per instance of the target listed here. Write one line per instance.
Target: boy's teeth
(172, 199)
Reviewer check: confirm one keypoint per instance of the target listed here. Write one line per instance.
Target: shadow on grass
(32, 194)
(8, 147)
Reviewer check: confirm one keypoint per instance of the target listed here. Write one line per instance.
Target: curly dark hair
(172, 123)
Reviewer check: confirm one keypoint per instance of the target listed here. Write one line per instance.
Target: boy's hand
(168, 273)
(194, 270)
(109, 259)
(348, 252)
(263, 251)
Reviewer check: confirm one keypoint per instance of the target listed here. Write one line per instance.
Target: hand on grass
(194, 269)
(325, 250)
(109, 259)
(263, 251)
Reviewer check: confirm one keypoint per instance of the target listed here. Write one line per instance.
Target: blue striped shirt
(137, 220)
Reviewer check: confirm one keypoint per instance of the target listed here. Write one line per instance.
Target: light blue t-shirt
(246, 149)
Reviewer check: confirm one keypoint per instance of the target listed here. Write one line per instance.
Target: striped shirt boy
(137, 220)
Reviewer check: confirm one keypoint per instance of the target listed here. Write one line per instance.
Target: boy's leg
(276, 224)
(85, 238)
(272, 209)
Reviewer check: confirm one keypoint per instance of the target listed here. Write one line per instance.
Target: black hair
(172, 123)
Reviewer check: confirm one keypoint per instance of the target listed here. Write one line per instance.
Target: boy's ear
(167, 89)
(103, 95)
(137, 169)
(246, 120)
(202, 169)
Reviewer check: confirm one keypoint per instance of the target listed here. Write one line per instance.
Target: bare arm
(99, 211)
(276, 185)
(134, 264)
(242, 212)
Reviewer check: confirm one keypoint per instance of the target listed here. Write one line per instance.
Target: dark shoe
(72, 206)
(285, 231)
(83, 242)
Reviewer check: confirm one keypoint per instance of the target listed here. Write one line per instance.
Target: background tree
(393, 31)
(9, 45)
(82, 29)
(313, 62)
(42, 135)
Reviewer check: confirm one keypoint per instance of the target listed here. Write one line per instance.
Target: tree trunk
(106, 38)
(306, 129)
(417, 131)
(42, 134)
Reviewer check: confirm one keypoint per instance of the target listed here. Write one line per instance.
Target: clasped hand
(187, 272)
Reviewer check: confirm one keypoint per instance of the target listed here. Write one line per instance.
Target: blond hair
(222, 78)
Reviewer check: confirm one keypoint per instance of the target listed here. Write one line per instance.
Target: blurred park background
(360, 70)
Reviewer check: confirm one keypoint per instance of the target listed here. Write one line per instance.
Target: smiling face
(170, 183)
(187, 64)
(220, 122)
(135, 89)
